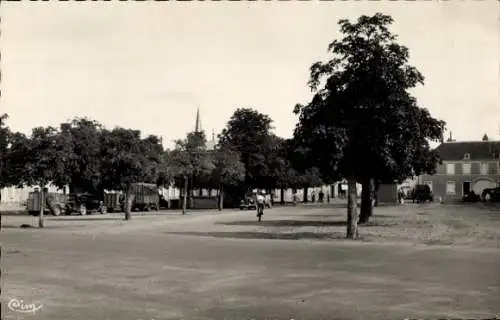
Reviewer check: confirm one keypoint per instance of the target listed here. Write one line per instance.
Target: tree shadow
(315, 206)
(35, 227)
(300, 223)
(269, 235)
(324, 215)
(285, 223)
(23, 226)
(343, 216)
(76, 219)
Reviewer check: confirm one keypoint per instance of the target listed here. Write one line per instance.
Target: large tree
(128, 159)
(42, 162)
(228, 171)
(16, 159)
(82, 141)
(363, 124)
(188, 160)
(248, 132)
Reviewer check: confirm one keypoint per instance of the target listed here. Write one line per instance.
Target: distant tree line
(82, 153)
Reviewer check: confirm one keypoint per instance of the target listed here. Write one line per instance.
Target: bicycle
(260, 211)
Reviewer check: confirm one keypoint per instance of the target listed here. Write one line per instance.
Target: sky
(150, 65)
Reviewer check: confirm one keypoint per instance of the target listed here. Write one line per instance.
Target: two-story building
(464, 167)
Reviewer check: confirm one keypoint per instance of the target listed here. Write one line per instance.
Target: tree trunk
(352, 210)
(282, 196)
(184, 200)
(129, 200)
(221, 197)
(41, 221)
(305, 194)
(191, 192)
(368, 188)
(375, 193)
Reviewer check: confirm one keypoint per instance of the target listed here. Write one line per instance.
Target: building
(464, 167)
(197, 128)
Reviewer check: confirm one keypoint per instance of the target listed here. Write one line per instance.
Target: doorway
(466, 188)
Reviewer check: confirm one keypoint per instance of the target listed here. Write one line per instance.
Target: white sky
(149, 65)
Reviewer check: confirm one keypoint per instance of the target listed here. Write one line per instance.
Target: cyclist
(260, 204)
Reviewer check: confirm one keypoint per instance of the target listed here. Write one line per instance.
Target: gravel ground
(424, 261)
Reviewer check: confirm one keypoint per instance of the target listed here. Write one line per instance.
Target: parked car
(491, 194)
(85, 203)
(248, 203)
(471, 197)
(422, 193)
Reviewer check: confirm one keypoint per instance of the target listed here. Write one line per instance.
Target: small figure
(321, 196)
(260, 204)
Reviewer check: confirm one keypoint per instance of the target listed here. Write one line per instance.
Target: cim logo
(18, 305)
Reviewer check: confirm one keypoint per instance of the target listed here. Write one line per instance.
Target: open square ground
(413, 261)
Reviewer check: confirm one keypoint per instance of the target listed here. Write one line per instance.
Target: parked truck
(146, 197)
(54, 203)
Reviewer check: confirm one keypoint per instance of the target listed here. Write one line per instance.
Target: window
(467, 156)
(450, 168)
(484, 169)
(466, 168)
(450, 188)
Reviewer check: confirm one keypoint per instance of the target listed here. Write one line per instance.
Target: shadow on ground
(35, 226)
(76, 218)
(24, 226)
(299, 223)
(268, 235)
(321, 205)
(343, 215)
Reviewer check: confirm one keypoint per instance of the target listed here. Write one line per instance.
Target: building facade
(464, 167)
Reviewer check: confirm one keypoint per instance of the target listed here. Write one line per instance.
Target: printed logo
(18, 305)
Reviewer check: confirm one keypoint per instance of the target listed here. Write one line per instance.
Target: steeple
(197, 125)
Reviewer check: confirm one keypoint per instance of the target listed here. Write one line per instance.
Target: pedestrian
(313, 197)
(321, 196)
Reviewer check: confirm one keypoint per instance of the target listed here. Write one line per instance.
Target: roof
(478, 150)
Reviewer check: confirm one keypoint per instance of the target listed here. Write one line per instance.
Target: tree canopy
(363, 123)
(4, 145)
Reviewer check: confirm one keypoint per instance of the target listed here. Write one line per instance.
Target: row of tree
(81, 153)
(362, 125)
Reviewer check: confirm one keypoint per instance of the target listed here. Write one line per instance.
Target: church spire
(197, 125)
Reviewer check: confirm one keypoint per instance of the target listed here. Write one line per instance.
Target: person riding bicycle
(260, 200)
